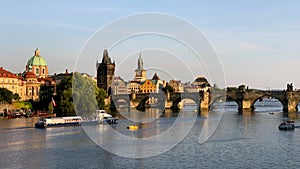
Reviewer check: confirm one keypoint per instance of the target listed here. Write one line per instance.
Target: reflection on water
(139, 116)
(249, 140)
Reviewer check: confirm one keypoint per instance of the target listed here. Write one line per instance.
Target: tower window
(43, 71)
(37, 71)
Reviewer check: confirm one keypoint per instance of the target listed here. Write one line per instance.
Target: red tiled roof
(45, 79)
(30, 75)
(5, 73)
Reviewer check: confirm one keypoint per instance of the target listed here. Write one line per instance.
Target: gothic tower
(105, 72)
(140, 72)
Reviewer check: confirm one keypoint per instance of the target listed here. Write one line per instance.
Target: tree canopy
(79, 95)
(7, 96)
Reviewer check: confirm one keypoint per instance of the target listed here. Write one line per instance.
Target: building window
(37, 71)
(43, 71)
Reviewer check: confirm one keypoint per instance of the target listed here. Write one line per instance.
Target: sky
(257, 42)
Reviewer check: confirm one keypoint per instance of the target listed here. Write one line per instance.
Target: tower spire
(140, 62)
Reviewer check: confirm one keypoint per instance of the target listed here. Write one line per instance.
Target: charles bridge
(244, 97)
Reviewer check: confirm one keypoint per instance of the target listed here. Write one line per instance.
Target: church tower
(105, 72)
(140, 72)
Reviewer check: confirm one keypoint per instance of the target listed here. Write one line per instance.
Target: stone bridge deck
(244, 99)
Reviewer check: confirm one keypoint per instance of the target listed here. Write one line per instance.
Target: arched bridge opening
(267, 103)
(222, 102)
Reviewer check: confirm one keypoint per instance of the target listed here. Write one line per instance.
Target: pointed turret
(106, 59)
(140, 63)
(155, 77)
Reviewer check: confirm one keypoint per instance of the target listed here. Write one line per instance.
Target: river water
(249, 140)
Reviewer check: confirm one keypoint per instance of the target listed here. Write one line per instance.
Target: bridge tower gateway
(105, 72)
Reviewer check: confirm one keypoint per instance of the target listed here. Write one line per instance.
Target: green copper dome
(36, 60)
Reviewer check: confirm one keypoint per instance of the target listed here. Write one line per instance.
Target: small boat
(103, 117)
(58, 121)
(132, 127)
(287, 125)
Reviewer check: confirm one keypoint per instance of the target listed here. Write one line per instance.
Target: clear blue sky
(257, 41)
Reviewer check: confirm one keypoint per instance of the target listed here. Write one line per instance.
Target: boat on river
(132, 127)
(99, 117)
(287, 125)
(58, 121)
(102, 117)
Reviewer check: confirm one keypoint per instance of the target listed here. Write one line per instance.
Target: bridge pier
(246, 105)
(205, 101)
(291, 102)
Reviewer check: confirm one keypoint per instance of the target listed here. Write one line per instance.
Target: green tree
(45, 97)
(64, 101)
(22, 105)
(79, 95)
(6, 95)
(101, 95)
(168, 89)
(16, 97)
(87, 96)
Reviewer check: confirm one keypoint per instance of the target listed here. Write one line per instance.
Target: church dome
(36, 60)
(201, 82)
(201, 79)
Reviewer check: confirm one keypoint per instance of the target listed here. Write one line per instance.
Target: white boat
(58, 121)
(102, 117)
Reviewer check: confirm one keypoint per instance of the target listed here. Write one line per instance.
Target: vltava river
(250, 140)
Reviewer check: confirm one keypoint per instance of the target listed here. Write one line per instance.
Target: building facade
(119, 86)
(140, 83)
(176, 85)
(105, 72)
(29, 83)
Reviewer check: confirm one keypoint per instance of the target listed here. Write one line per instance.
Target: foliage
(231, 89)
(45, 98)
(100, 97)
(216, 88)
(16, 97)
(6, 95)
(64, 101)
(22, 105)
(168, 89)
(78, 95)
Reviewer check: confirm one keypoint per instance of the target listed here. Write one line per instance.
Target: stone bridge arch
(216, 97)
(160, 101)
(178, 97)
(278, 97)
(120, 97)
(248, 99)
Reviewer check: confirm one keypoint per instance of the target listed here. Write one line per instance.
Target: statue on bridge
(289, 87)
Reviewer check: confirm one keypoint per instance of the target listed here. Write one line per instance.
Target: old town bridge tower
(105, 72)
